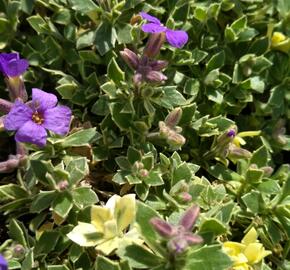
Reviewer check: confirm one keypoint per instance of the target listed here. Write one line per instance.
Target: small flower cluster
(247, 253)
(180, 236)
(29, 119)
(146, 68)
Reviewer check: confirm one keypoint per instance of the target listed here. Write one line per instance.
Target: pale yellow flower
(106, 230)
(280, 42)
(247, 253)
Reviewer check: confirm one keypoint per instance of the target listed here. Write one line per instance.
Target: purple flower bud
(231, 133)
(10, 165)
(267, 170)
(177, 245)
(11, 65)
(158, 65)
(3, 263)
(163, 228)
(155, 77)
(185, 197)
(175, 140)
(143, 173)
(5, 106)
(173, 118)
(189, 217)
(18, 251)
(237, 152)
(137, 79)
(154, 44)
(192, 239)
(130, 58)
(16, 88)
(62, 185)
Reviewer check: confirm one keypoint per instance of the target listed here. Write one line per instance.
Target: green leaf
(260, 157)
(77, 168)
(213, 225)
(42, 201)
(12, 192)
(27, 263)
(114, 72)
(154, 179)
(103, 263)
(222, 173)
(105, 37)
(139, 257)
(84, 196)
(38, 24)
(57, 267)
(133, 155)
(16, 232)
(254, 202)
(216, 61)
(171, 98)
(62, 204)
(84, 6)
(46, 242)
(78, 138)
(207, 258)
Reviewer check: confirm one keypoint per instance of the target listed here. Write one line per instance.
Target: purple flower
(146, 69)
(176, 38)
(31, 120)
(179, 236)
(11, 65)
(3, 263)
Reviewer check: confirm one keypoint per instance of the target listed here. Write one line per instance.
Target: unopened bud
(163, 228)
(237, 152)
(18, 251)
(154, 44)
(5, 106)
(177, 245)
(155, 76)
(135, 19)
(10, 165)
(231, 133)
(138, 165)
(267, 170)
(175, 140)
(62, 185)
(16, 88)
(185, 197)
(130, 58)
(158, 64)
(143, 173)
(189, 217)
(173, 118)
(137, 79)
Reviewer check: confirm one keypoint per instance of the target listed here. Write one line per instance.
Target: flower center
(37, 118)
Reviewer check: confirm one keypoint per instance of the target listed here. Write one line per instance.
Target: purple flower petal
(31, 132)
(153, 28)
(3, 263)
(18, 116)
(8, 57)
(42, 100)
(192, 239)
(149, 18)
(162, 227)
(189, 217)
(15, 68)
(57, 119)
(176, 38)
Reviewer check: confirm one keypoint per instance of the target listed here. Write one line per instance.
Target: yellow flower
(106, 230)
(247, 253)
(280, 42)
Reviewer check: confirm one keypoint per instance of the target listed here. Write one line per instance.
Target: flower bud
(158, 64)
(18, 251)
(143, 173)
(16, 88)
(163, 228)
(155, 76)
(62, 185)
(130, 58)
(237, 152)
(173, 118)
(154, 44)
(5, 106)
(189, 217)
(175, 140)
(185, 197)
(267, 170)
(177, 245)
(137, 79)
(9, 165)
